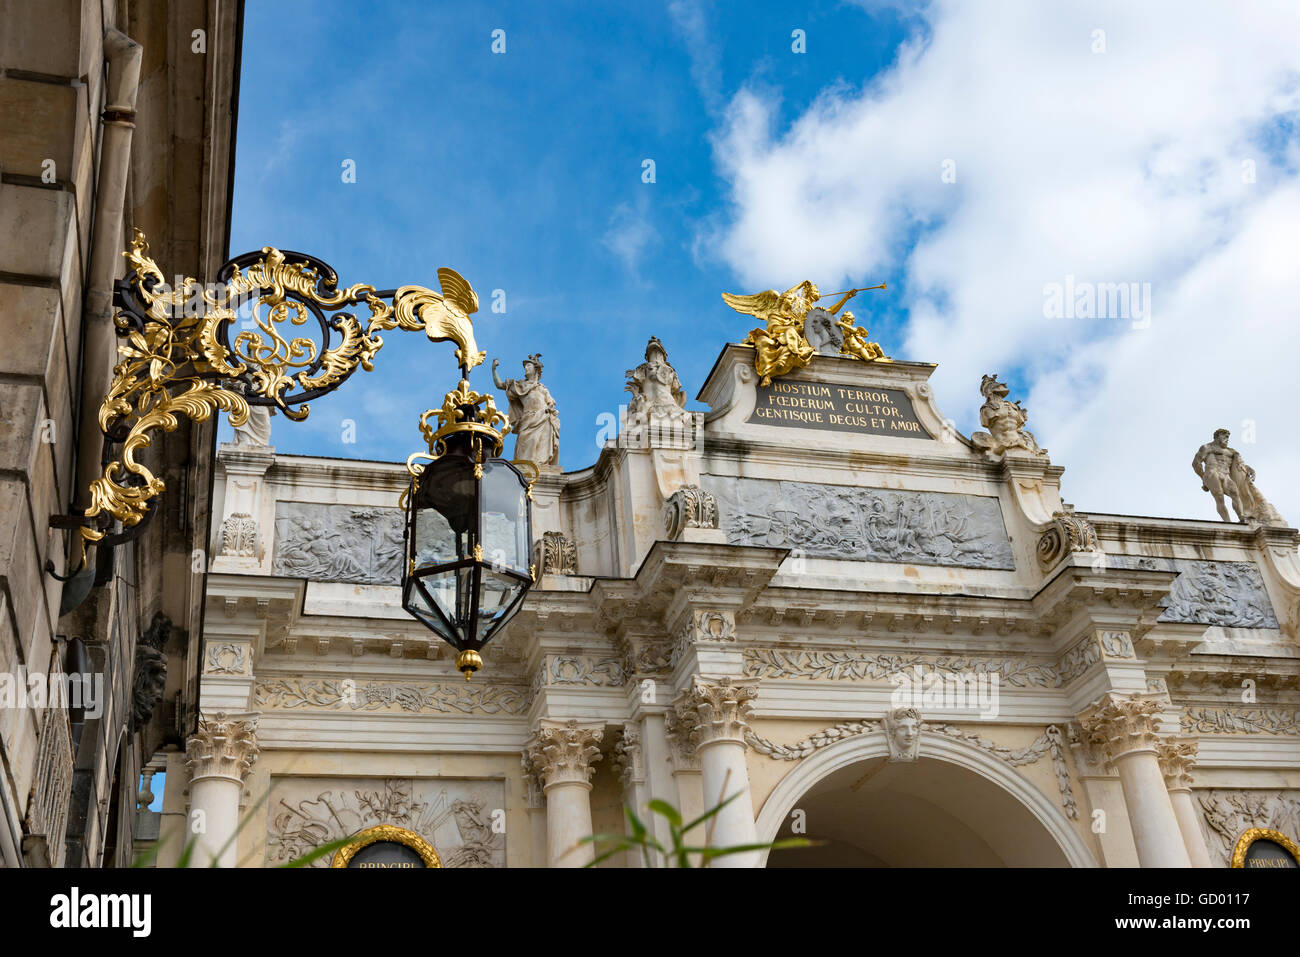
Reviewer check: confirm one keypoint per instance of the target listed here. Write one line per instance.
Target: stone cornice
(1192, 532)
(301, 470)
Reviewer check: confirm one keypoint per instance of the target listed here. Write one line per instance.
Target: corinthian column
(1177, 756)
(218, 756)
(714, 715)
(1126, 727)
(561, 755)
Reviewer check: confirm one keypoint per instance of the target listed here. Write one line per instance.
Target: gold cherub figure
(856, 344)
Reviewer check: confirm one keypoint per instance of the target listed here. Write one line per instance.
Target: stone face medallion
(834, 407)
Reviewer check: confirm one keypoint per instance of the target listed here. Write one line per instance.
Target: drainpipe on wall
(99, 337)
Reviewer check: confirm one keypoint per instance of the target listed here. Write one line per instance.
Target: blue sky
(1092, 141)
(523, 171)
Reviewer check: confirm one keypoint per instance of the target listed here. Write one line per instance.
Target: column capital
(715, 709)
(1177, 755)
(683, 740)
(533, 798)
(564, 752)
(222, 747)
(628, 755)
(1123, 724)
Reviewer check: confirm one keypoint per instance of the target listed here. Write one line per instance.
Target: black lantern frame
(468, 537)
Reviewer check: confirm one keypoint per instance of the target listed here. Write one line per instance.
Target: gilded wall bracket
(275, 329)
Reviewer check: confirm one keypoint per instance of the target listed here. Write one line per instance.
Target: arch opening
(956, 806)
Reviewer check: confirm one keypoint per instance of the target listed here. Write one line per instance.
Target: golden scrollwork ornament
(199, 348)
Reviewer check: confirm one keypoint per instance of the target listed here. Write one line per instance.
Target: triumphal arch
(806, 587)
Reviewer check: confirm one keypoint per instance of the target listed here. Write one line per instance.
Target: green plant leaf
(664, 809)
(710, 812)
(710, 852)
(187, 852)
(319, 852)
(638, 828)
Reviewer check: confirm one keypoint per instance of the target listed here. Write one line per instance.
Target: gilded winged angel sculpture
(444, 317)
(782, 346)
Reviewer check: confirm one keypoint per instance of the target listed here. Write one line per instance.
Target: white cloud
(1122, 166)
(628, 236)
(692, 23)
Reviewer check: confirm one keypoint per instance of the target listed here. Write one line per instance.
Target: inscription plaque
(386, 854)
(837, 408)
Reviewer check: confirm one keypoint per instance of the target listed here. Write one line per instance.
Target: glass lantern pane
(435, 543)
(441, 587)
(497, 602)
(418, 604)
(464, 597)
(503, 513)
(445, 511)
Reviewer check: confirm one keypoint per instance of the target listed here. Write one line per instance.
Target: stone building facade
(113, 115)
(885, 635)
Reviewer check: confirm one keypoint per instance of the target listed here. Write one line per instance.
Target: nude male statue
(1213, 463)
(1223, 472)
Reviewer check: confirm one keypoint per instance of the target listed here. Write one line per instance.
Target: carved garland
(1240, 721)
(1049, 742)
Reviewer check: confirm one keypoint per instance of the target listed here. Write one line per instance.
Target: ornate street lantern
(468, 528)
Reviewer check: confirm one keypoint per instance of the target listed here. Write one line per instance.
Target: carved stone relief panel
(227, 658)
(338, 543)
(1230, 594)
(866, 524)
(454, 815)
(1226, 813)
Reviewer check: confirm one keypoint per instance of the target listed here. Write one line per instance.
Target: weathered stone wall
(52, 93)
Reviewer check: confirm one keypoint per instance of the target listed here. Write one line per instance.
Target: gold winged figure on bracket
(782, 345)
(444, 317)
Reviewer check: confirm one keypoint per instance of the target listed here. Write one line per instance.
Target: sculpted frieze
(1230, 594)
(1240, 720)
(452, 815)
(350, 695)
(1079, 658)
(864, 524)
(338, 543)
(851, 665)
(606, 671)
